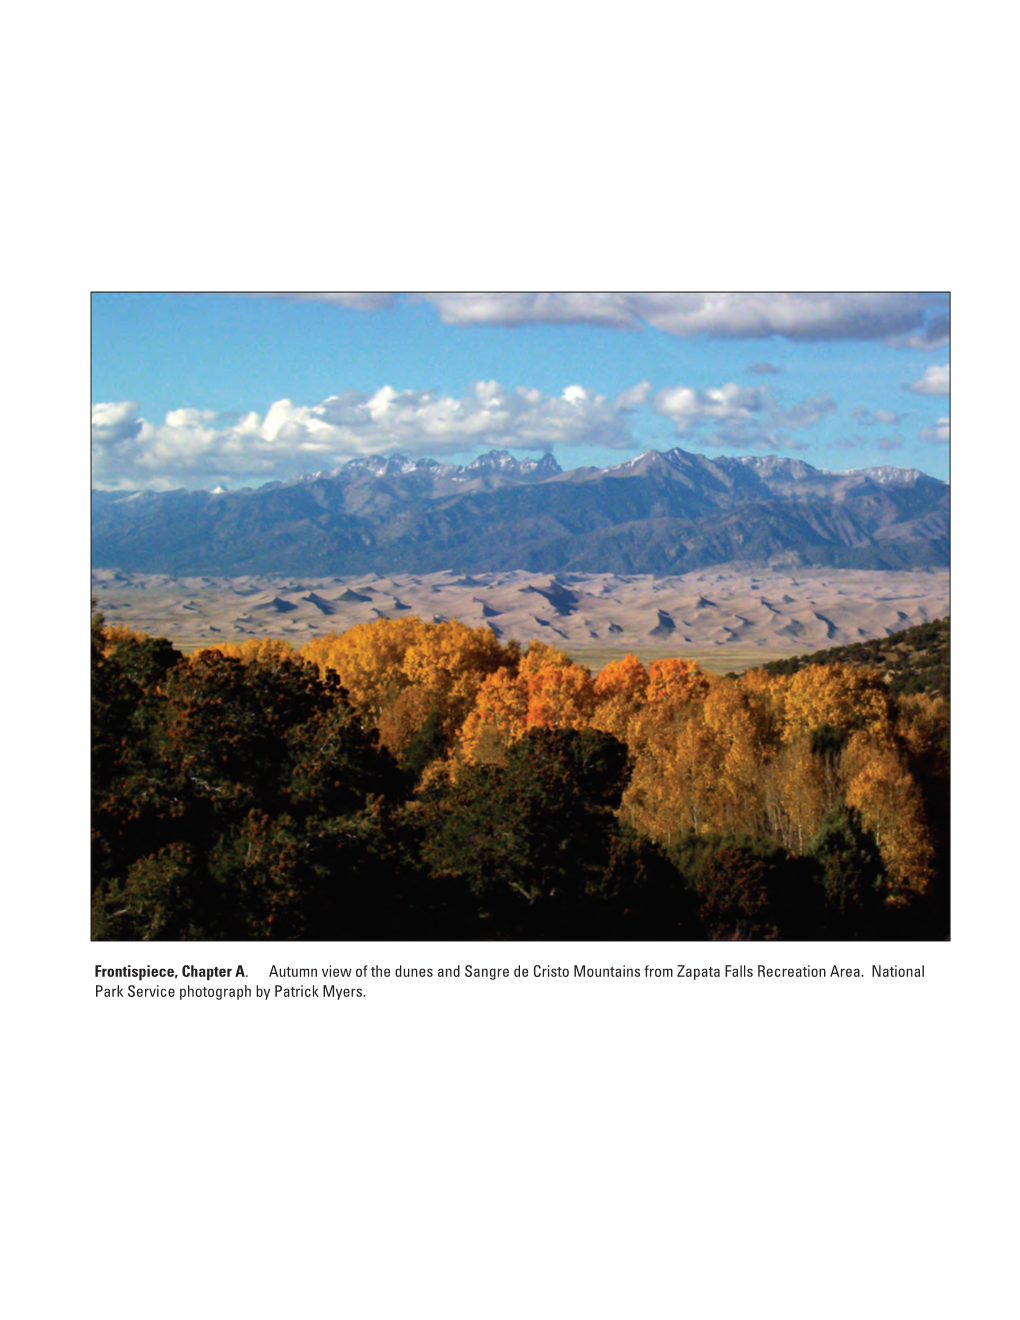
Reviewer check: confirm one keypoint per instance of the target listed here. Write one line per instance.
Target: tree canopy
(407, 779)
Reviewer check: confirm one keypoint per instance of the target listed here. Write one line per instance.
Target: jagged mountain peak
(388, 465)
(501, 460)
(659, 513)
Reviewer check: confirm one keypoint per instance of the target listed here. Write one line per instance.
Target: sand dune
(744, 616)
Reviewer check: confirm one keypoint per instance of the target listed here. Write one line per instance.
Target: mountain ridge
(662, 512)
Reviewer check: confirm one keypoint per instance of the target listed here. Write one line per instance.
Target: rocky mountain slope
(662, 513)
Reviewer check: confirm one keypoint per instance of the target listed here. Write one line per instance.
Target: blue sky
(201, 390)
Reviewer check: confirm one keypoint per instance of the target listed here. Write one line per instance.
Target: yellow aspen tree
(800, 790)
(540, 655)
(267, 648)
(842, 697)
(231, 649)
(253, 648)
(674, 785)
(538, 696)
(766, 697)
(449, 661)
(743, 732)
(369, 660)
(401, 720)
(622, 678)
(922, 722)
(882, 789)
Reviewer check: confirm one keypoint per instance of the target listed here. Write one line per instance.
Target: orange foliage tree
(678, 680)
(620, 692)
(548, 691)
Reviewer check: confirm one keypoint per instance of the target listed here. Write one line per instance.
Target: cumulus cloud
(934, 381)
(635, 396)
(114, 423)
(937, 434)
(741, 415)
(687, 408)
(195, 447)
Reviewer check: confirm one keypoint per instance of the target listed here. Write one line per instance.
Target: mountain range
(661, 513)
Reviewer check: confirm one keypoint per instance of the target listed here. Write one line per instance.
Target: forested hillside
(912, 661)
(414, 780)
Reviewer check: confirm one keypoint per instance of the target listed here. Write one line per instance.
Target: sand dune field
(728, 617)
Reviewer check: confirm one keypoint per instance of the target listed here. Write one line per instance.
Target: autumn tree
(447, 664)
(499, 718)
(548, 691)
(620, 692)
(837, 696)
(559, 697)
(675, 681)
(677, 765)
(368, 659)
(881, 787)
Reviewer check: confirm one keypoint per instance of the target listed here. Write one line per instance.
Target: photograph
(520, 616)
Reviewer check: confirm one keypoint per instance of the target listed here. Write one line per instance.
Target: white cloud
(934, 381)
(907, 319)
(745, 416)
(687, 407)
(195, 447)
(810, 316)
(937, 434)
(635, 396)
(114, 423)
(524, 308)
